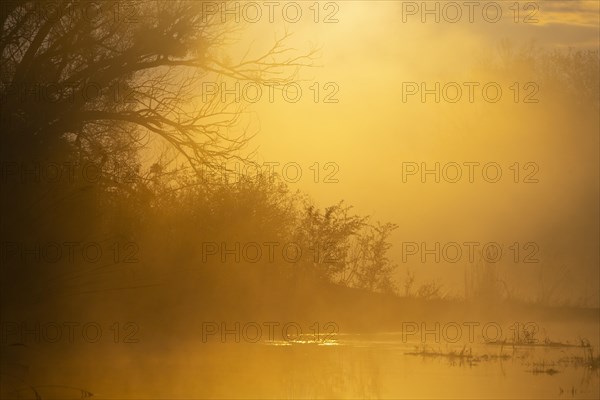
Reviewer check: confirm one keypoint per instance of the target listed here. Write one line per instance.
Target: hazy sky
(370, 131)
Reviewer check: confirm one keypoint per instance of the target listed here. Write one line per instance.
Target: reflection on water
(344, 366)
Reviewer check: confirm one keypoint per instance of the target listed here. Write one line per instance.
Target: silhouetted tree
(108, 88)
(368, 266)
(94, 83)
(325, 239)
